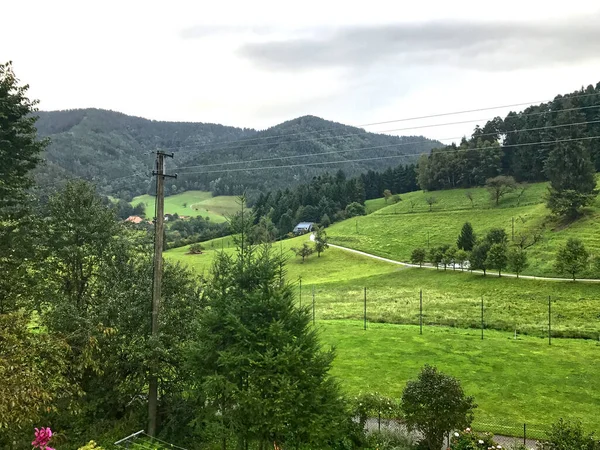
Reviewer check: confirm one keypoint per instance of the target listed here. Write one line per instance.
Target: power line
(382, 146)
(249, 169)
(363, 133)
(406, 119)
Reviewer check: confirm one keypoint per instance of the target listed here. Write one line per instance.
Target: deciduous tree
(418, 256)
(517, 260)
(499, 186)
(572, 258)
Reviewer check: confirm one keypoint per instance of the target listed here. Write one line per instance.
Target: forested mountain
(520, 144)
(114, 150)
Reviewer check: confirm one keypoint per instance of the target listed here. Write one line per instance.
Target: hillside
(114, 150)
(395, 230)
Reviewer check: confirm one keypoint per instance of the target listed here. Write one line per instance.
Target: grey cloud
(480, 45)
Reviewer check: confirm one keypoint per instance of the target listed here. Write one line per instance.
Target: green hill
(395, 230)
(192, 203)
(115, 151)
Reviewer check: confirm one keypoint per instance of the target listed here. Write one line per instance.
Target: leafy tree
(568, 435)
(479, 256)
(461, 257)
(497, 258)
(496, 236)
(572, 178)
(435, 404)
(436, 254)
(325, 221)
(572, 258)
(466, 239)
(431, 200)
(418, 256)
(355, 209)
(396, 198)
(320, 240)
(33, 369)
(286, 224)
(387, 194)
(517, 260)
(499, 186)
(304, 252)
(258, 368)
(449, 253)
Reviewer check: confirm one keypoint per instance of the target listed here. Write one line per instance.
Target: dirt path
(425, 266)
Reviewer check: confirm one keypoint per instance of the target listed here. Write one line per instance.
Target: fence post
(379, 421)
(421, 311)
(524, 434)
(313, 295)
(365, 315)
(549, 320)
(482, 317)
(300, 278)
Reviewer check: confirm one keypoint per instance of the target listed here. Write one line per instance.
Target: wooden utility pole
(157, 281)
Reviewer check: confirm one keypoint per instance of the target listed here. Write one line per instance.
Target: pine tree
(572, 179)
(466, 238)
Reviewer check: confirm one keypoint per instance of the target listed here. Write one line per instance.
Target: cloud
(490, 46)
(205, 30)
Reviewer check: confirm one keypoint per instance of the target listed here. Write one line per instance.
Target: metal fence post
(549, 320)
(524, 434)
(482, 317)
(365, 314)
(421, 311)
(379, 421)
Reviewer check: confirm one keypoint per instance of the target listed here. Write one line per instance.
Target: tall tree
(499, 186)
(572, 258)
(497, 258)
(258, 367)
(466, 239)
(321, 241)
(572, 179)
(517, 260)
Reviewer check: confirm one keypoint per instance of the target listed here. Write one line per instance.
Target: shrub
(469, 440)
(375, 405)
(195, 249)
(435, 404)
(387, 439)
(568, 435)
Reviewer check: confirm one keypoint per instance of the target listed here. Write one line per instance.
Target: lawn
(394, 231)
(193, 203)
(513, 381)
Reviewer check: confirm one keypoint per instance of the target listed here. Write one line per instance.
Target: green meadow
(193, 203)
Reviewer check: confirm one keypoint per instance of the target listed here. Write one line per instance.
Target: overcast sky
(258, 63)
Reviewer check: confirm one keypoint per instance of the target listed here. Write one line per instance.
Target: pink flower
(42, 437)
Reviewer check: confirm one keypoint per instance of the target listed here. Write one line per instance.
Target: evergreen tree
(572, 179)
(258, 368)
(466, 239)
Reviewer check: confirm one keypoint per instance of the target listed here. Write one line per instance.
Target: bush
(469, 440)
(567, 435)
(375, 405)
(435, 404)
(195, 249)
(390, 440)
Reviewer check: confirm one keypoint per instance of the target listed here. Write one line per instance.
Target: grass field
(513, 381)
(193, 203)
(395, 230)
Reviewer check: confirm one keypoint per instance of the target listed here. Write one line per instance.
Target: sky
(258, 63)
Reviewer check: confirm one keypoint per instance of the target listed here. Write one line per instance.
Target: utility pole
(157, 281)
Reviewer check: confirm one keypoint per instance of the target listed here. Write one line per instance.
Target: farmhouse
(303, 227)
(134, 219)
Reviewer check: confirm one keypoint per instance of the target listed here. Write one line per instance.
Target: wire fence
(549, 317)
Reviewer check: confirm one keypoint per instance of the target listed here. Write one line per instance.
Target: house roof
(305, 225)
(134, 219)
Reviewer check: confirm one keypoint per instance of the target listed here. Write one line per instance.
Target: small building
(303, 228)
(134, 219)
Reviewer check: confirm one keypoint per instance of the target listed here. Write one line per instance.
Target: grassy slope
(395, 230)
(513, 381)
(198, 203)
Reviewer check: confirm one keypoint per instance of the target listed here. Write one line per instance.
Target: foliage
(304, 252)
(320, 240)
(517, 260)
(572, 258)
(569, 435)
(387, 194)
(469, 440)
(435, 404)
(33, 368)
(373, 404)
(387, 439)
(572, 178)
(256, 363)
(496, 236)
(466, 239)
(418, 256)
(355, 209)
(479, 256)
(431, 200)
(436, 255)
(497, 258)
(499, 186)
(325, 221)
(449, 257)
(92, 445)
(461, 257)
(195, 249)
